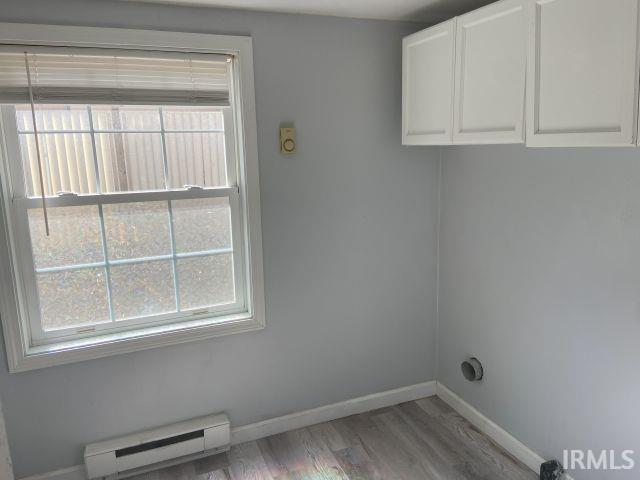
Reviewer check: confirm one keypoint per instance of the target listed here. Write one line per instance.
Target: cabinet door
(490, 75)
(582, 73)
(427, 90)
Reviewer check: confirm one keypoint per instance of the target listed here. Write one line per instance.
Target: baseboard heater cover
(168, 445)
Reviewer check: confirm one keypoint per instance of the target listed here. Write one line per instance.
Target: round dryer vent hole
(472, 369)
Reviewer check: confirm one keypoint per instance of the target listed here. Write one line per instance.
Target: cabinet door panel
(583, 73)
(490, 74)
(428, 85)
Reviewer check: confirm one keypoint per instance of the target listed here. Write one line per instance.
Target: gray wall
(540, 278)
(349, 228)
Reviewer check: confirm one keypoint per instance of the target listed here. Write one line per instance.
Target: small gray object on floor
(551, 470)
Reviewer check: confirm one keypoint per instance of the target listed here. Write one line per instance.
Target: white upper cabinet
(490, 74)
(553, 72)
(427, 91)
(582, 73)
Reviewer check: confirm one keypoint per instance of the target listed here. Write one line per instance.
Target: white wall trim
(273, 426)
(6, 470)
(326, 413)
(76, 472)
(499, 435)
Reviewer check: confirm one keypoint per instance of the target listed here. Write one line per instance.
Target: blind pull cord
(35, 133)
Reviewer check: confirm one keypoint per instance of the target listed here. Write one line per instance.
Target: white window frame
(17, 289)
(22, 203)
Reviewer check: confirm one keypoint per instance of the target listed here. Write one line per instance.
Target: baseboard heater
(161, 447)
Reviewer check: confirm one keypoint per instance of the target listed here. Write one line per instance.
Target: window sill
(131, 341)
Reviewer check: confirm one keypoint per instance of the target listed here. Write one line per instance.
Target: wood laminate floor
(421, 440)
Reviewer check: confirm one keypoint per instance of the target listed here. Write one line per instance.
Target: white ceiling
(411, 10)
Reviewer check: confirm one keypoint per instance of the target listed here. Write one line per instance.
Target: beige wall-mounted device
(288, 140)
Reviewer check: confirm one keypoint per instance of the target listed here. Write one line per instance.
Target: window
(131, 206)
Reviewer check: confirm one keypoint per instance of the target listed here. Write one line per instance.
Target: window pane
(53, 117)
(142, 289)
(74, 236)
(73, 298)
(116, 117)
(137, 230)
(130, 161)
(205, 281)
(196, 159)
(193, 118)
(92, 149)
(67, 163)
(201, 224)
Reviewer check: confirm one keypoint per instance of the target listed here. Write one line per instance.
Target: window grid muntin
(113, 325)
(172, 237)
(135, 261)
(105, 248)
(107, 267)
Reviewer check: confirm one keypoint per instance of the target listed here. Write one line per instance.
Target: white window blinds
(83, 75)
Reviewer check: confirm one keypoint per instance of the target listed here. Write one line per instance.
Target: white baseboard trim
(334, 411)
(273, 426)
(6, 470)
(77, 472)
(499, 435)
